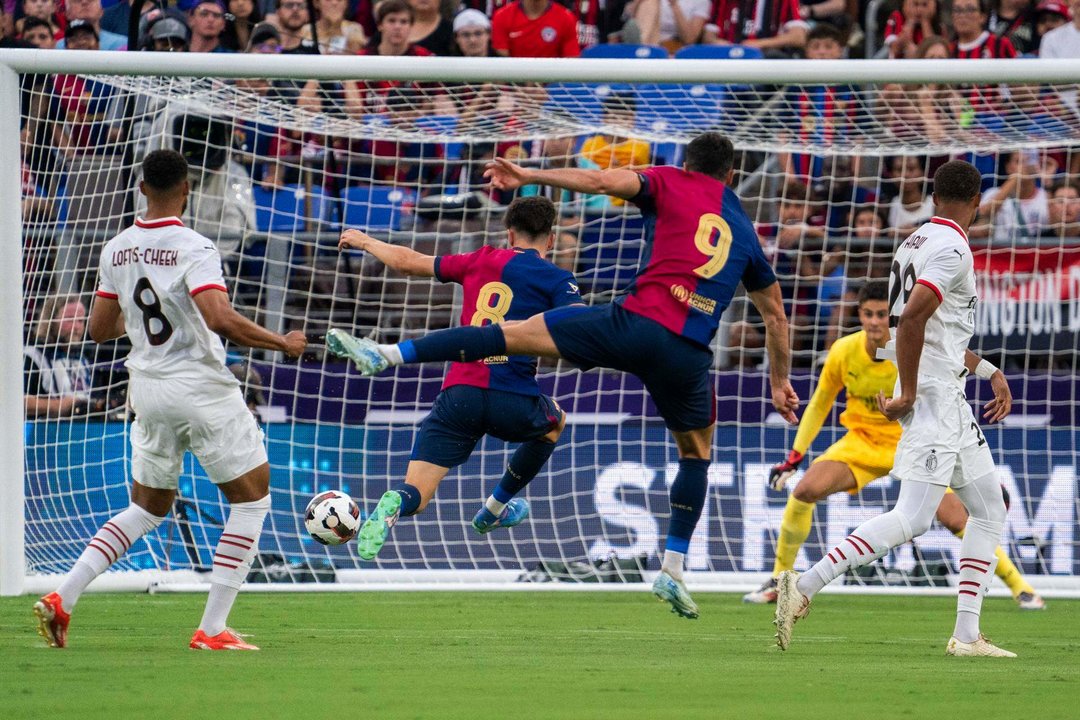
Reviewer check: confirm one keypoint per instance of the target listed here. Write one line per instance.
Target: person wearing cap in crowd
(1049, 15)
(169, 34)
(81, 35)
(265, 38)
(472, 34)
(1064, 42)
(91, 12)
(207, 21)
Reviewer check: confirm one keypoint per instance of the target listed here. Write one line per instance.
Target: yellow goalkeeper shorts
(868, 460)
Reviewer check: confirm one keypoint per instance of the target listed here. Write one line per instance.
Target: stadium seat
(443, 125)
(582, 100)
(283, 209)
(626, 52)
(718, 52)
(376, 207)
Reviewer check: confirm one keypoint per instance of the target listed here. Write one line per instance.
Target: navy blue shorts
(676, 371)
(463, 414)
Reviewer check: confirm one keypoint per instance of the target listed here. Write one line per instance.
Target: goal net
(834, 173)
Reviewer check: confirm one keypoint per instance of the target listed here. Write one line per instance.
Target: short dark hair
(1063, 185)
(795, 191)
(874, 290)
(30, 22)
(533, 216)
(163, 170)
(711, 154)
(826, 31)
(957, 181)
(619, 102)
(392, 7)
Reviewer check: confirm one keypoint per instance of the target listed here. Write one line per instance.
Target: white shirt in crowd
(900, 216)
(1019, 218)
(1062, 42)
(690, 8)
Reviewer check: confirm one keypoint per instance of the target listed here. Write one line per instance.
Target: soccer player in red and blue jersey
(488, 395)
(701, 246)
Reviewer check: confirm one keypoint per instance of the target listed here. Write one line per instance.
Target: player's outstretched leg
(502, 509)
(687, 501)
(463, 344)
(408, 498)
(113, 540)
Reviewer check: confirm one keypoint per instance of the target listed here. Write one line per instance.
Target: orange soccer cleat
(225, 640)
(52, 620)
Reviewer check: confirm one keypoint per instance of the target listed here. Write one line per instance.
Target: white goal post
(603, 498)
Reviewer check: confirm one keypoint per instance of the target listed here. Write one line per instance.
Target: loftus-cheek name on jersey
(149, 256)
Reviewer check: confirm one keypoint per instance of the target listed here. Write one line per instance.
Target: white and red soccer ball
(332, 518)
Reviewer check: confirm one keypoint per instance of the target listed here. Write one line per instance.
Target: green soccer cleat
(673, 591)
(373, 532)
(363, 352)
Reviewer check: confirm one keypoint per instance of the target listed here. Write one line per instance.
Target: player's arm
(770, 304)
(1001, 405)
(618, 182)
(106, 319)
(222, 318)
(910, 337)
(402, 259)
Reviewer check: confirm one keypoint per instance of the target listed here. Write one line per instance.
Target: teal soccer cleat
(673, 591)
(373, 532)
(363, 352)
(513, 514)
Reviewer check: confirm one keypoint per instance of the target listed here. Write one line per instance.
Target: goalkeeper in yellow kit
(864, 453)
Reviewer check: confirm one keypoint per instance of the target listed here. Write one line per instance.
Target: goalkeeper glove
(779, 475)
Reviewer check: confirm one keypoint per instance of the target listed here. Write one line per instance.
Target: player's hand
(353, 238)
(295, 344)
(505, 175)
(779, 475)
(786, 401)
(895, 408)
(1001, 405)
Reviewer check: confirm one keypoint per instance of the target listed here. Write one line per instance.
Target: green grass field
(536, 655)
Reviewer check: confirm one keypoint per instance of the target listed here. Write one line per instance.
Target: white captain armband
(985, 369)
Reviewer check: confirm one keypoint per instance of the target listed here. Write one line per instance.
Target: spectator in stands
(1049, 15)
(57, 379)
(7, 26)
(618, 110)
(775, 26)
(908, 27)
(337, 36)
(80, 35)
(834, 12)
(91, 12)
(1018, 208)
(972, 39)
(40, 9)
(430, 30)
(671, 23)
(207, 22)
(1015, 19)
(241, 19)
(913, 204)
(1064, 42)
(393, 21)
(116, 15)
(535, 28)
(867, 222)
(293, 19)
(38, 33)
(169, 34)
(472, 34)
(1063, 212)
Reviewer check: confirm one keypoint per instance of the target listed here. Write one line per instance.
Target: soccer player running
(495, 395)
(864, 453)
(162, 285)
(701, 246)
(932, 293)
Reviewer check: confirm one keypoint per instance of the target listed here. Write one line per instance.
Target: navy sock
(687, 501)
(461, 344)
(526, 462)
(410, 498)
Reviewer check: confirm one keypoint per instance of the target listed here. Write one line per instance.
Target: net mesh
(832, 175)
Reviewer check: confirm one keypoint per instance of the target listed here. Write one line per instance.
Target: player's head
(711, 154)
(529, 223)
(62, 320)
(165, 177)
(874, 310)
(957, 190)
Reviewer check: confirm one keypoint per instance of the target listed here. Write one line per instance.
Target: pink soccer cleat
(225, 640)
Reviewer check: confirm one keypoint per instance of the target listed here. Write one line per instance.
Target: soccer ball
(332, 518)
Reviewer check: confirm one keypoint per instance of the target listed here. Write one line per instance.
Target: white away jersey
(937, 255)
(154, 269)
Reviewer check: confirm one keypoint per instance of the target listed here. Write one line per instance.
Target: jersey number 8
(152, 312)
(486, 312)
(712, 225)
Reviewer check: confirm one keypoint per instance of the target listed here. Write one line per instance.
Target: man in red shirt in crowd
(535, 28)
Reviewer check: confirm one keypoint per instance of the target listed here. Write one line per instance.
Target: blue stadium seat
(376, 207)
(626, 52)
(278, 210)
(718, 52)
(443, 125)
(582, 100)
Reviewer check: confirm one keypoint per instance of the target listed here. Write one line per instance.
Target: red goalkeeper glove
(779, 475)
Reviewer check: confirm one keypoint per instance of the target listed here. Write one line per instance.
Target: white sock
(967, 626)
(494, 506)
(673, 563)
(233, 556)
(986, 520)
(392, 353)
(111, 542)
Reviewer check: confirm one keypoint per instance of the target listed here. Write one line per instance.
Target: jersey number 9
(711, 225)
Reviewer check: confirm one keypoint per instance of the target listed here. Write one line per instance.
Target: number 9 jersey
(154, 269)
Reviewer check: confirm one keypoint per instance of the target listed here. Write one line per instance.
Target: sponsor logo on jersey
(698, 302)
(548, 34)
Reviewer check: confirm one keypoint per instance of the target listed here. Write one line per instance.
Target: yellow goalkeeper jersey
(850, 367)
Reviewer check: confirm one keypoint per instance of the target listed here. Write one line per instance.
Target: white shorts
(174, 416)
(941, 442)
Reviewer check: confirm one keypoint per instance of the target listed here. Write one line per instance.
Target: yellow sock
(1010, 574)
(794, 529)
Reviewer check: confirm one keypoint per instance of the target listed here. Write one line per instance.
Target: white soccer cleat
(1030, 601)
(791, 606)
(982, 647)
